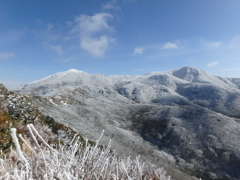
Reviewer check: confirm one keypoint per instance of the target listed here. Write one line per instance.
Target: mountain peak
(190, 74)
(66, 80)
(70, 71)
(73, 70)
(189, 70)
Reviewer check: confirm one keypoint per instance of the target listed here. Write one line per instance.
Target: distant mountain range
(186, 119)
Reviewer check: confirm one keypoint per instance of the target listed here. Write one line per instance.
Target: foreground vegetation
(36, 159)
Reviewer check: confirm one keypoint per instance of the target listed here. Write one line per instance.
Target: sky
(117, 37)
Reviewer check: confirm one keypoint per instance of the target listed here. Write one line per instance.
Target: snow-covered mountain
(183, 119)
(66, 81)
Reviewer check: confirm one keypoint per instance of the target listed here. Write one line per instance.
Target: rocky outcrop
(18, 110)
(18, 106)
(15, 111)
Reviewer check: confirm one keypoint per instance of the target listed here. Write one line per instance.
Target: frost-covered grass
(72, 161)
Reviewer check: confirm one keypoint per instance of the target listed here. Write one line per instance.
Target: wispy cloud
(67, 59)
(58, 49)
(234, 42)
(96, 46)
(111, 5)
(231, 69)
(169, 45)
(214, 44)
(138, 51)
(212, 64)
(12, 36)
(6, 55)
(94, 32)
(49, 31)
(130, 1)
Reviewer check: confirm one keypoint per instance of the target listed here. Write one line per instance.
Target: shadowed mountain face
(183, 119)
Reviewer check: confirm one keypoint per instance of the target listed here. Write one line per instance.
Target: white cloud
(5, 56)
(93, 24)
(214, 44)
(96, 46)
(170, 45)
(213, 64)
(138, 51)
(58, 49)
(94, 32)
(111, 5)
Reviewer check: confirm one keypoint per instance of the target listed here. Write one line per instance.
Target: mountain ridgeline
(185, 120)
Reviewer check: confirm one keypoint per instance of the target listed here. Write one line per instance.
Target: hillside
(183, 118)
(54, 151)
(18, 111)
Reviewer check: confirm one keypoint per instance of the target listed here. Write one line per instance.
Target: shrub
(73, 160)
(5, 138)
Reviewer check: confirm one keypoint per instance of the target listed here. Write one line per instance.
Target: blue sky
(117, 37)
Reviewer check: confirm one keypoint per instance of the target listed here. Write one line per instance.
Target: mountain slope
(17, 111)
(184, 117)
(65, 80)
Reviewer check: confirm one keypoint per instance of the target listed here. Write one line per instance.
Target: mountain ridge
(179, 73)
(77, 78)
(184, 117)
